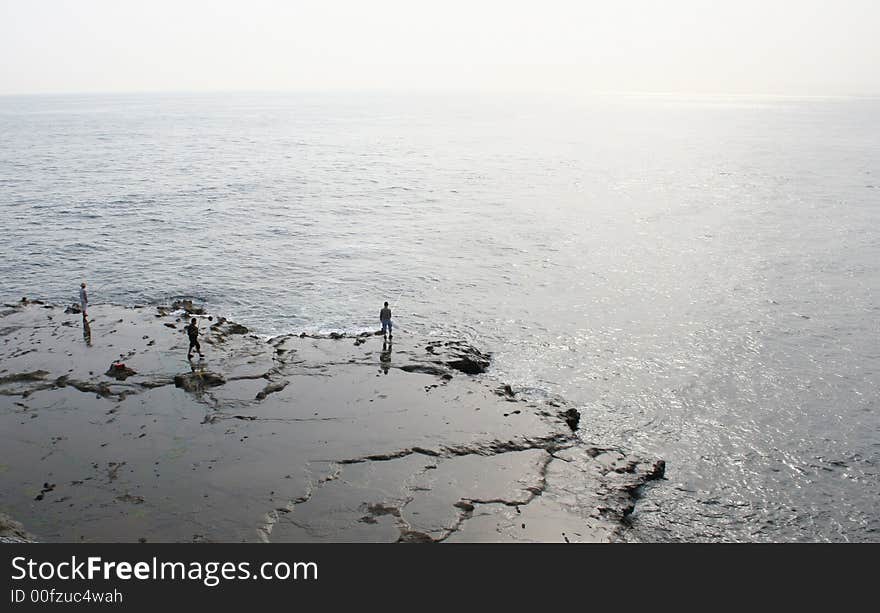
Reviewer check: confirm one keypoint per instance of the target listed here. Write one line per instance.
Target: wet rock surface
(198, 380)
(12, 531)
(297, 438)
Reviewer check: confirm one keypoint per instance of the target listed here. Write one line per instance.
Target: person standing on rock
(83, 298)
(385, 318)
(192, 330)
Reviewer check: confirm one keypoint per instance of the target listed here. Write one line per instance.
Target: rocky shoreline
(110, 434)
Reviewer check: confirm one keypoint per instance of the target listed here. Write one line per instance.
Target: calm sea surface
(699, 275)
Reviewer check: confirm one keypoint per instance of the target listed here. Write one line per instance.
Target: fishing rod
(397, 300)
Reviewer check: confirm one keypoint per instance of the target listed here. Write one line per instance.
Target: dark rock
(461, 356)
(198, 381)
(187, 305)
(414, 536)
(119, 371)
(234, 328)
(469, 366)
(506, 391)
(271, 389)
(36, 375)
(47, 487)
(572, 417)
(428, 369)
(378, 509)
(658, 470)
(73, 309)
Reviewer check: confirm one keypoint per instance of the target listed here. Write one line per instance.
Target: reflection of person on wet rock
(385, 318)
(385, 356)
(192, 330)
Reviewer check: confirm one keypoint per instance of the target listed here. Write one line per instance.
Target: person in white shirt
(83, 298)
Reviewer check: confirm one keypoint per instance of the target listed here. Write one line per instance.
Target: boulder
(187, 305)
(460, 356)
(119, 371)
(198, 381)
(469, 360)
(234, 328)
(572, 417)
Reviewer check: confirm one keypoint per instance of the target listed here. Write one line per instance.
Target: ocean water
(699, 275)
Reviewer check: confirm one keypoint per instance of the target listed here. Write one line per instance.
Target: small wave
(84, 247)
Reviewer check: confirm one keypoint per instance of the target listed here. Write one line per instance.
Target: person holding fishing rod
(83, 299)
(385, 318)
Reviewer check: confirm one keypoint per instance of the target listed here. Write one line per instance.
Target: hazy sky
(797, 47)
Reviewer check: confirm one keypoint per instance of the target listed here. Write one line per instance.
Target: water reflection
(385, 357)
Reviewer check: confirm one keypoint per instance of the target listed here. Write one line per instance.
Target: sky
(772, 47)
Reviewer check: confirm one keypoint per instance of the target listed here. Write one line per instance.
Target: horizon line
(452, 92)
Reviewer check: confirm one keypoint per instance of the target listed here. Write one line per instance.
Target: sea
(699, 275)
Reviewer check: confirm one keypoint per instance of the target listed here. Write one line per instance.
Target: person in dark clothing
(385, 318)
(192, 331)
